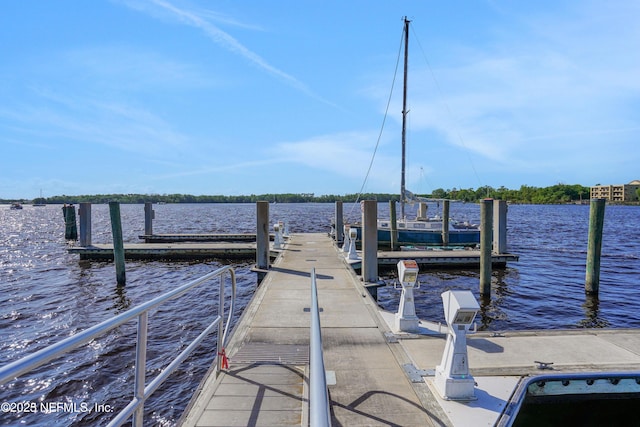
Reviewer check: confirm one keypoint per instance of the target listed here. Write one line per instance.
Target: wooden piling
(594, 246)
(422, 211)
(339, 222)
(370, 241)
(118, 244)
(394, 225)
(70, 229)
(149, 216)
(445, 223)
(486, 222)
(262, 235)
(499, 227)
(84, 212)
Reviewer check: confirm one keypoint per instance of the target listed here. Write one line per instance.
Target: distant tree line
(559, 193)
(189, 198)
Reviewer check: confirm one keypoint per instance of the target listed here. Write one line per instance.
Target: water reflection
(484, 315)
(491, 306)
(592, 319)
(120, 300)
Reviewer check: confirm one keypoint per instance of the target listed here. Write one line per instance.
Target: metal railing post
(135, 409)
(319, 409)
(141, 368)
(221, 350)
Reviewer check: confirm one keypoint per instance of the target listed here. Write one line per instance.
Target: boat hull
(426, 237)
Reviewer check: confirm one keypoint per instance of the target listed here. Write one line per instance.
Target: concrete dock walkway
(380, 377)
(265, 384)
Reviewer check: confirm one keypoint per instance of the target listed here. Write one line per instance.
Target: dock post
(445, 223)
(394, 225)
(499, 227)
(339, 222)
(262, 235)
(594, 247)
(422, 211)
(486, 220)
(149, 216)
(370, 241)
(70, 229)
(118, 245)
(84, 212)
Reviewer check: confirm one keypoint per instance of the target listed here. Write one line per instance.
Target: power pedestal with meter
(406, 319)
(453, 380)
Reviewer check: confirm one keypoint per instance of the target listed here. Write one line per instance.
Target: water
(48, 295)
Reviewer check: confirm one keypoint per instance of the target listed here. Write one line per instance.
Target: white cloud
(202, 20)
(347, 154)
(566, 86)
(126, 68)
(86, 120)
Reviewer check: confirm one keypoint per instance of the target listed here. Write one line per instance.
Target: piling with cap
(369, 241)
(339, 222)
(422, 211)
(445, 223)
(262, 235)
(394, 225)
(118, 244)
(84, 212)
(594, 246)
(149, 216)
(486, 222)
(70, 229)
(499, 226)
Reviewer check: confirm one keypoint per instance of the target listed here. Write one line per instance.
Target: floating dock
(169, 251)
(243, 246)
(193, 237)
(440, 259)
(375, 376)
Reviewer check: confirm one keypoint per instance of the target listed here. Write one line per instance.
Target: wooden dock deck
(379, 377)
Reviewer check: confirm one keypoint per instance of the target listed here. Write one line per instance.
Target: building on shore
(617, 193)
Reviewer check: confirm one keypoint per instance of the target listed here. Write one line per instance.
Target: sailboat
(423, 230)
(40, 201)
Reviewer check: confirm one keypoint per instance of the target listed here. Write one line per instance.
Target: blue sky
(252, 97)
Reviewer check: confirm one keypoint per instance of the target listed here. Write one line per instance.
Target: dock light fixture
(453, 380)
(406, 319)
(345, 243)
(353, 235)
(277, 239)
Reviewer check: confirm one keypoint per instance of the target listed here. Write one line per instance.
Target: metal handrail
(318, 393)
(141, 393)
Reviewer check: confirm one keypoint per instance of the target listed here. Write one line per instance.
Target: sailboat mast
(404, 115)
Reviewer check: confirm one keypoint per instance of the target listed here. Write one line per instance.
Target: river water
(48, 295)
